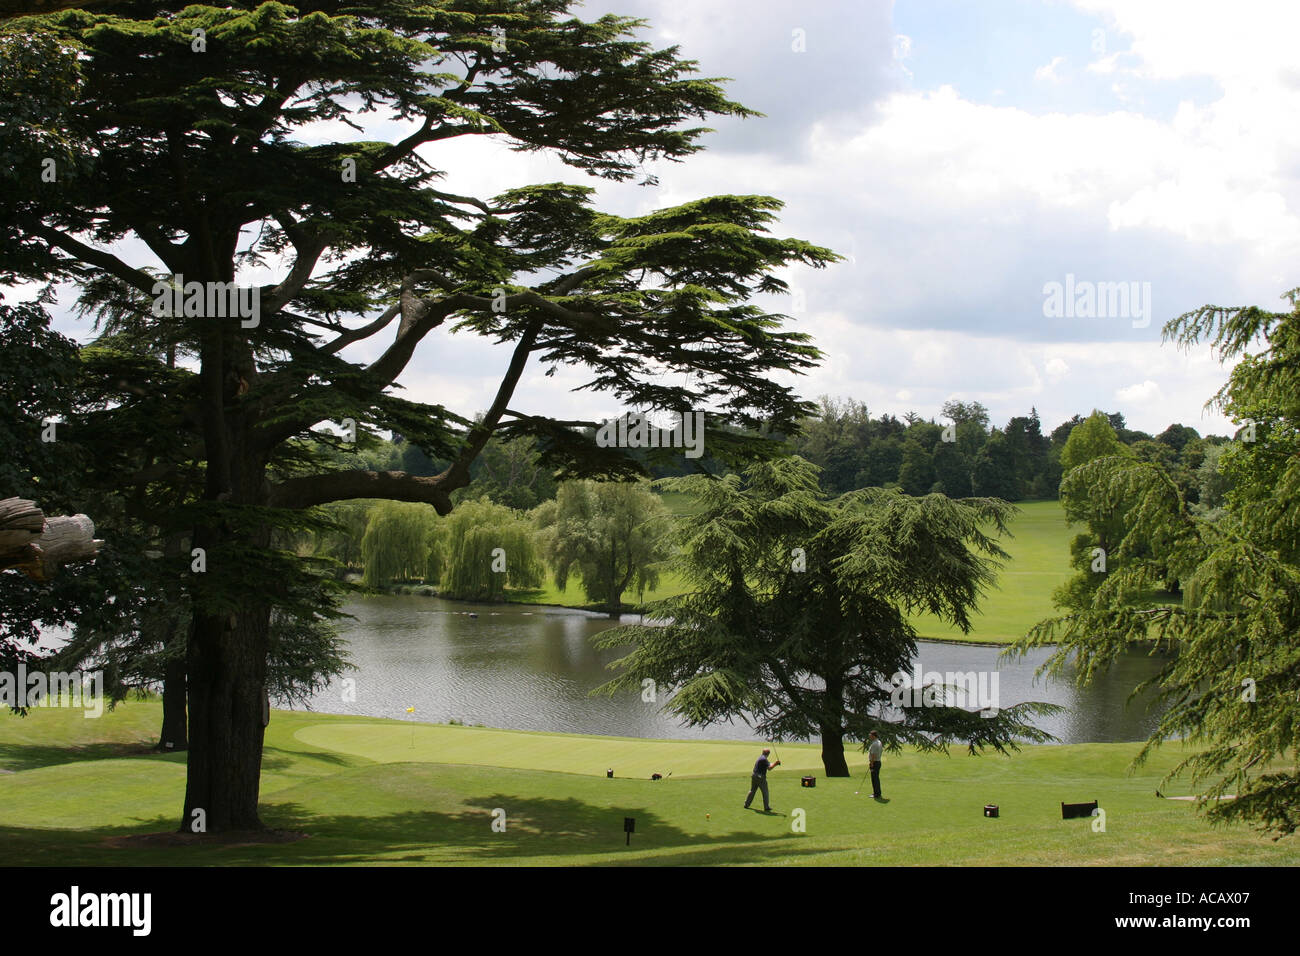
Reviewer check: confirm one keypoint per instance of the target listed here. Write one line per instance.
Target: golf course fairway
(1038, 561)
(78, 792)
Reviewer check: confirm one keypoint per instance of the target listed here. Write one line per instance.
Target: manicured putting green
(565, 753)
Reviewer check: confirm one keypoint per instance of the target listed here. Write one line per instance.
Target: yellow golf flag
(410, 710)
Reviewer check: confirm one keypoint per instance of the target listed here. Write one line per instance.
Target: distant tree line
(599, 530)
(962, 456)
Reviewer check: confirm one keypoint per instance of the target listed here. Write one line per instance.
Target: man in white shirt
(873, 759)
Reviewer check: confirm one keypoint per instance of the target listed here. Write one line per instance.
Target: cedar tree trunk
(175, 730)
(832, 730)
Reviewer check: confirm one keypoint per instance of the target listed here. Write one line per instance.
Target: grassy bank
(370, 791)
(1039, 563)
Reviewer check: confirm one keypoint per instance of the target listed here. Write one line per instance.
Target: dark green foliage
(182, 129)
(916, 473)
(795, 614)
(960, 458)
(951, 471)
(38, 369)
(511, 473)
(1233, 689)
(1028, 448)
(885, 463)
(994, 472)
(1177, 436)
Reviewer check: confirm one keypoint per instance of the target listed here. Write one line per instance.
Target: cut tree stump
(39, 546)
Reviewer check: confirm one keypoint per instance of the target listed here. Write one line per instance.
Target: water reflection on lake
(532, 668)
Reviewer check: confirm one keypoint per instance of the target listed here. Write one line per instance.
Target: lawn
(1039, 563)
(371, 791)
(670, 583)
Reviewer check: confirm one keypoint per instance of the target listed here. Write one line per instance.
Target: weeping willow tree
(1233, 689)
(615, 535)
(341, 541)
(403, 542)
(488, 547)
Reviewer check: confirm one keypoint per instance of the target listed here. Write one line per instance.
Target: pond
(532, 668)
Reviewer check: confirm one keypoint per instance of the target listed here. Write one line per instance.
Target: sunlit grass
(367, 791)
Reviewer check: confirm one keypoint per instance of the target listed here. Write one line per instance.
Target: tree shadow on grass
(16, 757)
(729, 852)
(20, 757)
(554, 831)
(527, 827)
(534, 827)
(37, 846)
(278, 758)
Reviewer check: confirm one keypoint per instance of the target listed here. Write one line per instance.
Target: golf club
(864, 781)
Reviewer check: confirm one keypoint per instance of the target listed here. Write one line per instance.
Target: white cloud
(1106, 64)
(1252, 41)
(956, 212)
(902, 49)
(1057, 369)
(1047, 72)
(1146, 391)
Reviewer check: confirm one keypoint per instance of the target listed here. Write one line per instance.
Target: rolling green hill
(1040, 561)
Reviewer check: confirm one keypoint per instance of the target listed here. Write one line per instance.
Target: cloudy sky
(963, 157)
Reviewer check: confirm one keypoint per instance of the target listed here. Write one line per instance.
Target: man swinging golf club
(758, 780)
